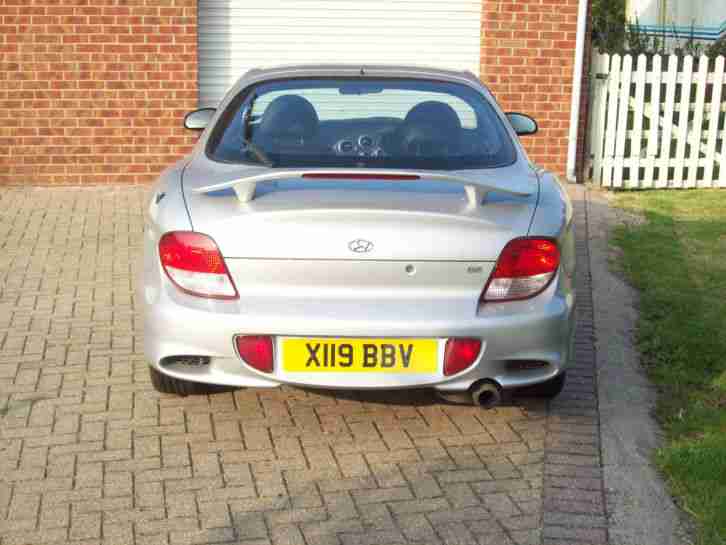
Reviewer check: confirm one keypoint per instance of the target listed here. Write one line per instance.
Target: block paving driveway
(91, 454)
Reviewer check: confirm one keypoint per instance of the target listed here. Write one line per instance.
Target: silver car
(359, 227)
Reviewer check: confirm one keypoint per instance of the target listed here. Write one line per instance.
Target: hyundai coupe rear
(358, 228)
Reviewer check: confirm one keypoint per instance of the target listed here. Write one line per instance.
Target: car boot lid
(419, 217)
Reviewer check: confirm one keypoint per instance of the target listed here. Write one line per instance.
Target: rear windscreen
(362, 123)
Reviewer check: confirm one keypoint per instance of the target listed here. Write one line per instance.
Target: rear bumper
(538, 329)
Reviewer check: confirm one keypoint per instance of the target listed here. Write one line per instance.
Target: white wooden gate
(658, 122)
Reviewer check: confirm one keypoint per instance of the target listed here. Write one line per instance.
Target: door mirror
(522, 124)
(198, 119)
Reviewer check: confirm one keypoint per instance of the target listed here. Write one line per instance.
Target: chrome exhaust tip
(486, 394)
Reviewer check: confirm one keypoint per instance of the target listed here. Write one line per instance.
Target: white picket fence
(657, 123)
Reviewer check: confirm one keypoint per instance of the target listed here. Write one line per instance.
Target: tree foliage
(609, 25)
(717, 48)
(612, 32)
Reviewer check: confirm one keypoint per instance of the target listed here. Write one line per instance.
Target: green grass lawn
(677, 260)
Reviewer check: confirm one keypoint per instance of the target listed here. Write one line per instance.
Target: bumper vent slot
(524, 365)
(185, 362)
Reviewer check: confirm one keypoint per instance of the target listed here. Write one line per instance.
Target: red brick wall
(94, 92)
(528, 54)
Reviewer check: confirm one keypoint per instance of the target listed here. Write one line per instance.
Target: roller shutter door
(236, 35)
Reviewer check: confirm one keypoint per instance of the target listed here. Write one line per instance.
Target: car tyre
(548, 389)
(170, 385)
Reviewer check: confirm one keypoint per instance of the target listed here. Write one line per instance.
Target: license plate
(310, 355)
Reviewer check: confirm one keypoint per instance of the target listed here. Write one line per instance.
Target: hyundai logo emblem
(360, 246)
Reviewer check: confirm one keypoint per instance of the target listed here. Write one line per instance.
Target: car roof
(363, 70)
(258, 75)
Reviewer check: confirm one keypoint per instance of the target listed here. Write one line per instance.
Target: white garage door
(236, 35)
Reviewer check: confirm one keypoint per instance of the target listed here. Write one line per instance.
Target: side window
(229, 145)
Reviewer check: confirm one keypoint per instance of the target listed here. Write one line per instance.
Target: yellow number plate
(309, 355)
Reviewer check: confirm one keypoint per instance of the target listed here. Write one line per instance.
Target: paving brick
(24, 506)
(458, 515)
(575, 520)
(45, 536)
(89, 475)
(203, 537)
(340, 505)
(388, 475)
(422, 482)
(417, 528)
(463, 475)
(237, 474)
(117, 484)
(117, 534)
(286, 534)
(6, 493)
(487, 533)
(573, 510)
(92, 454)
(181, 504)
(500, 505)
(166, 525)
(263, 504)
(526, 537)
(379, 495)
(571, 459)
(595, 536)
(194, 483)
(86, 526)
(269, 483)
(214, 515)
(376, 516)
(465, 457)
(392, 457)
(460, 495)
(227, 493)
(353, 465)
(292, 516)
(574, 507)
(391, 537)
(304, 495)
(311, 529)
(164, 474)
(574, 495)
(573, 471)
(102, 505)
(456, 534)
(55, 516)
(355, 483)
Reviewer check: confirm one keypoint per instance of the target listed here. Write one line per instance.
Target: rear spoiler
(476, 188)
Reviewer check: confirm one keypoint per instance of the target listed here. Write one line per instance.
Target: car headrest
(289, 116)
(433, 112)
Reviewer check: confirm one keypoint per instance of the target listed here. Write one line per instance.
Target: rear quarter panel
(165, 211)
(553, 217)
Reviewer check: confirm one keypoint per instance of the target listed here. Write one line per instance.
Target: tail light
(256, 350)
(194, 264)
(525, 268)
(460, 354)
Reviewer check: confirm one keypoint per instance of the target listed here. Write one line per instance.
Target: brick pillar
(94, 92)
(527, 58)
